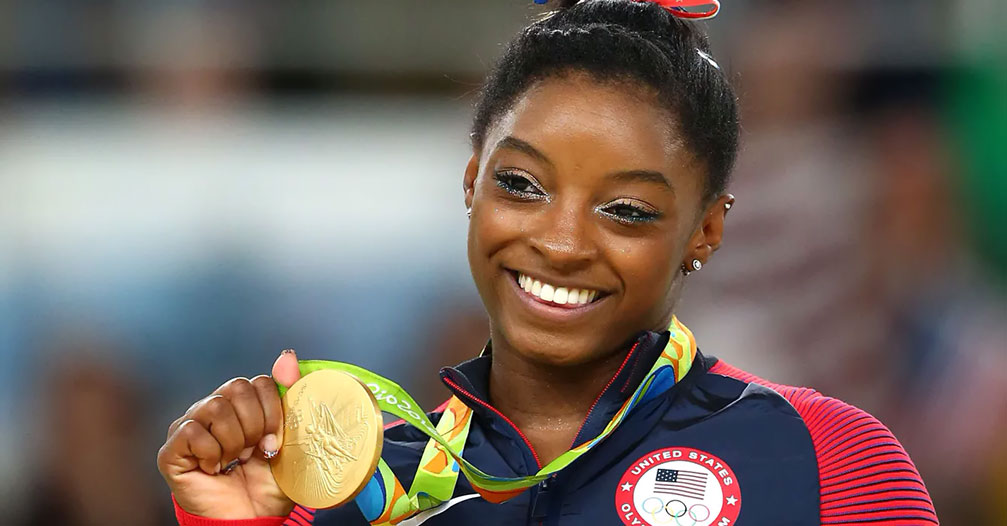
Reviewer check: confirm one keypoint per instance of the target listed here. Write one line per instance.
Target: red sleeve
(865, 476)
(299, 517)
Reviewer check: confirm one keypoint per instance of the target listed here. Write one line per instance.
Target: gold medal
(332, 435)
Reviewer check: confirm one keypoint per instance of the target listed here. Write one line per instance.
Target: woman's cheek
(491, 238)
(500, 226)
(645, 271)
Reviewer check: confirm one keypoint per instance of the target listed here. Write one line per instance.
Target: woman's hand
(214, 458)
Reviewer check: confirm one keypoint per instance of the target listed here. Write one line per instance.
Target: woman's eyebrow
(513, 143)
(649, 176)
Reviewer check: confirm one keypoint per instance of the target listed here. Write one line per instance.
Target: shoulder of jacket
(865, 474)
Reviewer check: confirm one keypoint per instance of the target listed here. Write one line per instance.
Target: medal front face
(332, 435)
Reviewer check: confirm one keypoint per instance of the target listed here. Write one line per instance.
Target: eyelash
(506, 179)
(640, 214)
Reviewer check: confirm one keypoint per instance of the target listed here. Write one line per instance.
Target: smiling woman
(602, 146)
(581, 186)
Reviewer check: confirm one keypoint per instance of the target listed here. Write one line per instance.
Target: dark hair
(625, 41)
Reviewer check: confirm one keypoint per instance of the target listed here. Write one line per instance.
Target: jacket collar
(469, 381)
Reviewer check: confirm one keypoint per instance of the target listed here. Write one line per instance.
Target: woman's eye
(628, 213)
(517, 184)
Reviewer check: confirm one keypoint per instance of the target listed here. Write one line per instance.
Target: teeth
(558, 295)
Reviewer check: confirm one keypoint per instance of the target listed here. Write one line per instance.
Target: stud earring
(468, 212)
(727, 206)
(696, 265)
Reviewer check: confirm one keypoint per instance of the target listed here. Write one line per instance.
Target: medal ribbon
(384, 499)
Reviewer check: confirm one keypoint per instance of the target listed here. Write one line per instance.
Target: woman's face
(584, 195)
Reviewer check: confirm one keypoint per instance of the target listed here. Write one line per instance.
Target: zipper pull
(540, 508)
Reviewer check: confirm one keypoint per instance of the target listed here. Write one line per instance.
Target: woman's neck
(547, 403)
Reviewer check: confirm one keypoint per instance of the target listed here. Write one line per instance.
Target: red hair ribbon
(678, 8)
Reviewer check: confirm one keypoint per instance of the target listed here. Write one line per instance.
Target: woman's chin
(555, 350)
(557, 359)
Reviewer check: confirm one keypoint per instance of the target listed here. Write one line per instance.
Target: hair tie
(678, 7)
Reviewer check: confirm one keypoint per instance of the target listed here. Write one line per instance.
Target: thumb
(285, 369)
(285, 372)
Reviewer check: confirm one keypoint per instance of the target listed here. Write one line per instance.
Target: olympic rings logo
(674, 510)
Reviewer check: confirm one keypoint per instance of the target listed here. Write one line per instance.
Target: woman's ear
(713, 223)
(469, 180)
(707, 238)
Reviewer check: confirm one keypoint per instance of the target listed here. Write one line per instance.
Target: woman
(602, 146)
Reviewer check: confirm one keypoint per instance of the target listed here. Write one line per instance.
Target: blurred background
(188, 187)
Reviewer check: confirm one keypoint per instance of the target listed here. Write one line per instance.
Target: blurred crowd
(186, 189)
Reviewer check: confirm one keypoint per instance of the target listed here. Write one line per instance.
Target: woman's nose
(563, 238)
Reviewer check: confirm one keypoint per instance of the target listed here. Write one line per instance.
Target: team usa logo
(678, 486)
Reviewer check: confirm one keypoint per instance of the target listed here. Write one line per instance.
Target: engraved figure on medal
(327, 446)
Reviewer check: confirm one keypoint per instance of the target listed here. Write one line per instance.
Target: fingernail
(246, 454)
(230, 466)
(269, 446)
(287, 351)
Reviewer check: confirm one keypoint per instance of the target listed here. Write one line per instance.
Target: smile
(557, 295)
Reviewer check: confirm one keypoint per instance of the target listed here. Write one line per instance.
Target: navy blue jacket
(720, 447)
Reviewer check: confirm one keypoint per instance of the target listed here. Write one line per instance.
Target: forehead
(575, 117)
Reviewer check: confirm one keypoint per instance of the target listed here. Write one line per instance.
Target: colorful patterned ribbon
(385, 501)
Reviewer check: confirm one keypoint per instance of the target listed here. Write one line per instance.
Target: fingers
(218, 416)
(247, 407)
(285, 369)
(190, 447)
(211, 434)
(272, 413)
(228, 425)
